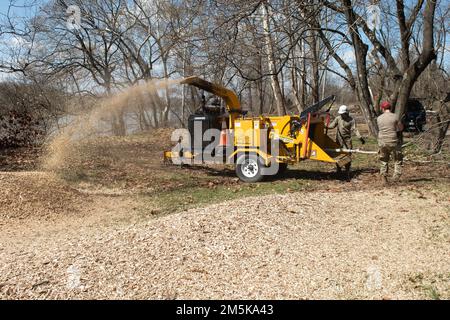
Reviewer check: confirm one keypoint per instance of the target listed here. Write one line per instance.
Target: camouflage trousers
(346, 143)
(384, 154)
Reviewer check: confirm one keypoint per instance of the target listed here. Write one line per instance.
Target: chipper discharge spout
(257, 146)
(233, 105)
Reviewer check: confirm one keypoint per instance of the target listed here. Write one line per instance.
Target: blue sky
(18, 6)
(4, 5)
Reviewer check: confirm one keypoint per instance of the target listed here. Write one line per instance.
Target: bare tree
(277, 55)
(365, 39)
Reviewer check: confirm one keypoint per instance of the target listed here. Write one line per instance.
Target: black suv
(415, 116)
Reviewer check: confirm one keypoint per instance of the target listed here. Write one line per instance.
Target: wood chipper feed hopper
(257, 146)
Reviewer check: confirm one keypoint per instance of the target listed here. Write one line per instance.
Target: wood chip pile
(295, 246)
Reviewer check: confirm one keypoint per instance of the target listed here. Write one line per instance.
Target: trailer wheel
(282, 168)
(249, 168)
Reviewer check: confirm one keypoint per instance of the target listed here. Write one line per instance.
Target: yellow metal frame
(265, 156)
(248, 138)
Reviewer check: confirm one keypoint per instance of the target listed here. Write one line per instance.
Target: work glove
(363, 141)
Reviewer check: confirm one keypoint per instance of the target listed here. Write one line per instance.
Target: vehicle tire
(249, 168)
(420, 128)
(282, 168)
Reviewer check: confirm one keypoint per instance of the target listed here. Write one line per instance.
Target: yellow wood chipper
(257, 146)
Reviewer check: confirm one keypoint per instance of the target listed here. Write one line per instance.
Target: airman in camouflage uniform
(388, 142)
(345, 125)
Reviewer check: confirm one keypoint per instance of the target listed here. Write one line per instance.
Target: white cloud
(348, 56)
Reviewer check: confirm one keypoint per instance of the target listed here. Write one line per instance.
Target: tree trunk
(166, 110)
(276, 88)
(441, 126)
(293, 73)
(250, 97)
(362, 84)
(118, 126)
(315, 83)
(414, 70)
(294, 83)
(261, 96)
(303, 79)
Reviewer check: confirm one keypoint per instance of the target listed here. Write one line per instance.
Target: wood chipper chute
(256, 146)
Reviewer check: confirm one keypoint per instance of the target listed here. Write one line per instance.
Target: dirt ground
(114, 222)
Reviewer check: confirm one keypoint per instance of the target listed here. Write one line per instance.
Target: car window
(414, 106)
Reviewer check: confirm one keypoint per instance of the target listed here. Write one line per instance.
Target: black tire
(249, 168)
(282, 168)
(420, 127)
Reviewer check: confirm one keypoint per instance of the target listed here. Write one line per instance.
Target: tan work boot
(384, 180)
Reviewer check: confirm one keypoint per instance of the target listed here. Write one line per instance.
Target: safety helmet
(343, 109)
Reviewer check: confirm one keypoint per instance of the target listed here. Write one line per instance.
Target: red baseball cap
(385, 105)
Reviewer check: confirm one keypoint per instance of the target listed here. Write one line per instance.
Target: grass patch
(433, 286)
(432, 292)
(195, 197)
